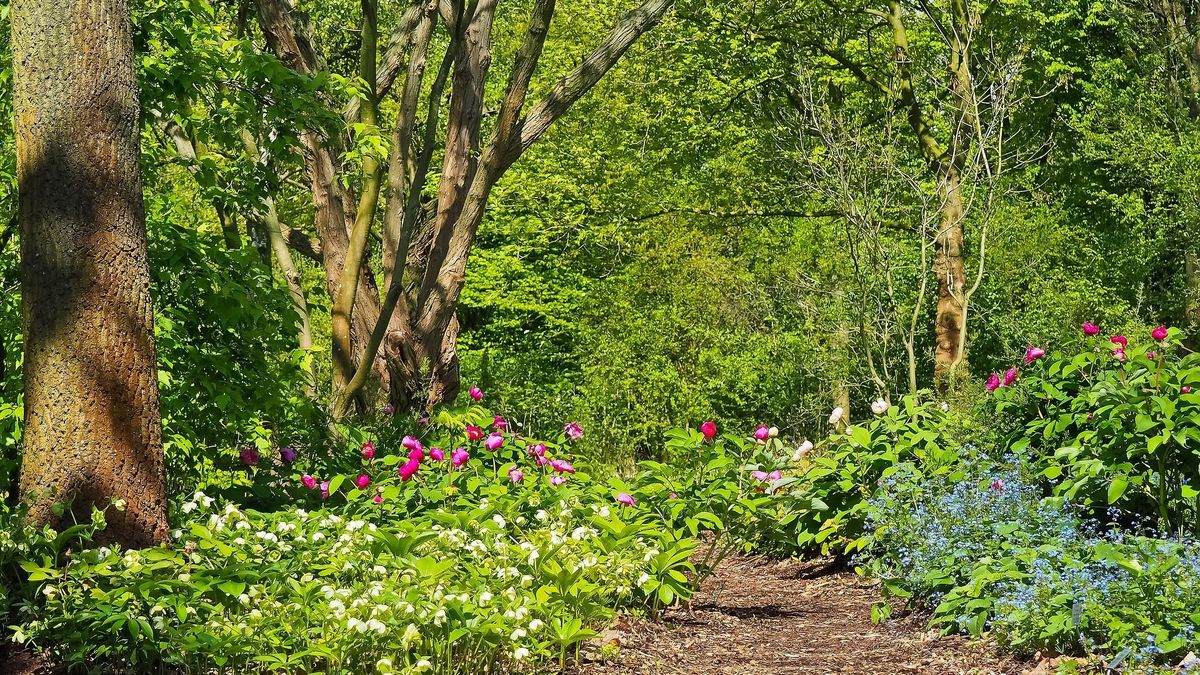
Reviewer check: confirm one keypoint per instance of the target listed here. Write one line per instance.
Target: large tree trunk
(92, 427)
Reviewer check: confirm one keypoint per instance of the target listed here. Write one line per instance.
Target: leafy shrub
(830, 494)
(1115, 424)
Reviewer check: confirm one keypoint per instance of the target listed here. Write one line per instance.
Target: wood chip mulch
(760, 616)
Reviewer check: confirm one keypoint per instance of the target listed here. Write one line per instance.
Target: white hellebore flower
(880, 406)
(773, 432)
(836, 415)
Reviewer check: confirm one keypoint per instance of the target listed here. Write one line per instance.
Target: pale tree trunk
(949, 268)
(92, 427)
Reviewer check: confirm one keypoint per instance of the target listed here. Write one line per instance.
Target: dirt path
(765, 617)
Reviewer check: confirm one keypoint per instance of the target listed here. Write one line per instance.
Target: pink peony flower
(762, 433)
(288, 455)
(324, 489)
(378, 499)
(459, 457)
(998, 485)
(775, 475)
(573, 431)
(389, 410)
(476, 393)
(515, 474)
(561, 466)
(1151, 355)
(423, 421)
(1010, 376)
(537, 450)
(557, 480)
(1119, 354)
(1119, 340)
(1159, 333)
(499, 423)
(249, 456)
(368, 450)
(362, 481)
(474, 433)
(416, 455)
(494, 442)
(759, 476)
(626, 499)
(672, 496)
(1185, 389)
(1090, 328)
(436, 454)
(709, 429)
(542, 460)
(309, 481)
(993, 382)
(1033, 354)
(408, 470)
(412, 443)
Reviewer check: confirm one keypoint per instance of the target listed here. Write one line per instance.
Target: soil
(758, 616)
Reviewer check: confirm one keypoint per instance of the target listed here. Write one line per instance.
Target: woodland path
(762, 617)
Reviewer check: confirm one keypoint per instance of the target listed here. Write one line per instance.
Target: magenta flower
(494, 442)
(759, 476)
(324, 489)
(1010, 376)
(515, 474)
(416, 455)
(476, 393)
(436, 454)
(775, 475)
(408, 470)
(389, 410)
(1033, 354)
(561, 466)
(474, 433)
(459, 457)
(1151, 355)
(541, 460)
(672, 496)
(762, 433)
(1185, 389)
(368, 450)
(1090, 328)
(499, 423)
(537, 450)
(709, 429)
(423, 421)
(998, 485)
(573, 431)
(1120, 340)
(412, 443)
(993, 382)
(626, 499)
(362, 481)
(1119, 354)
(288, 455)
(249, 456)
(309, 481)
(1159, 333)
(378, 499)
(557, 480)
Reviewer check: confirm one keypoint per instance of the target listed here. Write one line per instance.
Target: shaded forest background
(735, 223)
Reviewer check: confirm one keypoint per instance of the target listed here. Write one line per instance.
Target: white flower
(880, 406)
(499, 520)
(801, 451)
(518, 634)
(424, 664)
(836, 415)
(535, 625)
(520, 653)
(945, 407)
(541, 515)
(773, 432)
(189, 507)
(485, 598)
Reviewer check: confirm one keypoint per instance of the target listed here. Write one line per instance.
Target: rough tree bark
(92, 427)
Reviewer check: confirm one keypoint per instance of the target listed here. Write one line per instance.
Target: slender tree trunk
(948, 267)
(92, 427)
